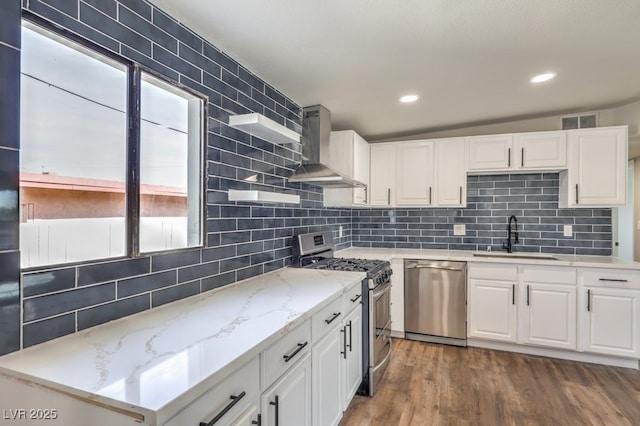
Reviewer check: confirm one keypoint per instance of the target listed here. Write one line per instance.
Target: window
(92, 186)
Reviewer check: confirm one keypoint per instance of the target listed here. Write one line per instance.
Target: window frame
(134, 72)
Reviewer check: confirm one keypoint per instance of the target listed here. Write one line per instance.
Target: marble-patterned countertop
(501, 257)
(156, 362)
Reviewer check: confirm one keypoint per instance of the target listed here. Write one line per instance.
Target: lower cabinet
(288, 401)
(251, 416)
(549, 307)
(327, 365)
(492, 302)
(612, 321)
(352, 358)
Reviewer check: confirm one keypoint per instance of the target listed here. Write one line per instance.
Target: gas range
(371, 267)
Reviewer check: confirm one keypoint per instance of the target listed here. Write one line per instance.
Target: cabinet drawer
(549, 274)
(243, 384)
(284, 353)
(352, 298)
(327, 318)
(612, 278)
(493, 271)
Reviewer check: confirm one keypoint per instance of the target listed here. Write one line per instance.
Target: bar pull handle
(588, 300)
(513, 294)
(528, 294)
(429, 195)
(389, 196)
(355, 299)
(343, 330)
(576, 193)
(225, 410)
(366, 195)
(257, 422)
(289, 357)
(330, 320)
(461, 195)
(613, 280)
(350, 338)
(276, 404)
(509, 157)
(522, 158)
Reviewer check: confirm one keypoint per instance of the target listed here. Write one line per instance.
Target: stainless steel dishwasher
(435, 301)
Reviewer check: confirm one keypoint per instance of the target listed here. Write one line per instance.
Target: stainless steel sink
(516, 255)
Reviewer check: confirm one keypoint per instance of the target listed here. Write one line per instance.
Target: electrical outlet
(340, 232)
(459, 229)
(568, 231)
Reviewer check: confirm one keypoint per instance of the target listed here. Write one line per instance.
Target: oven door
(380, 327)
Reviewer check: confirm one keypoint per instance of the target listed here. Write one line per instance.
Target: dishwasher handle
(446, 268)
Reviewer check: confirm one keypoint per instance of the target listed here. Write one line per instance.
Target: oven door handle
(385, 288)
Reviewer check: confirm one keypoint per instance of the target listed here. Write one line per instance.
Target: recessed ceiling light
(541, 78)
(409, 98)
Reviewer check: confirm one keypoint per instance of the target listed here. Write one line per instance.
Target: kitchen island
(148, 367)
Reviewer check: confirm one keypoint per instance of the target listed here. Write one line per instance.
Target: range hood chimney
(316, 132)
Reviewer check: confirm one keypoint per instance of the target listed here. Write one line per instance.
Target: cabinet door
(492, 310)
(288, 401)
(597, 168)
(326, 363)
(541, 150)
(549, 312)
(353, 359)
(414, 174)
(451, 173)
(382, 174)
(612, 321)
(361, 169)
(490, 153)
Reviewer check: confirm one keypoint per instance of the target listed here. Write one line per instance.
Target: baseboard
(556, 353)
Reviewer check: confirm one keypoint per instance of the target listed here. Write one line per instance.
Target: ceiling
(470, 61)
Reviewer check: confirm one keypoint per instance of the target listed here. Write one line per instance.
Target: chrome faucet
(508, 244)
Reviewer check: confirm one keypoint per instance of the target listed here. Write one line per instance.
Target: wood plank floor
(428, 384)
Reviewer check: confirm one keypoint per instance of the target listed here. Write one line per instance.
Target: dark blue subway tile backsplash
(491, 199)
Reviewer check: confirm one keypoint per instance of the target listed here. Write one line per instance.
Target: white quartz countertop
(156, 362)
(501, 257)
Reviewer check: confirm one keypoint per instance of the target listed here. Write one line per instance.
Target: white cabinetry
(227, 402)
(549, 308)
(348, 155)
(541, 151)
(414, 173)
(418, 174)
(597, 168)
(288, 401)
(382, 179)
(326, 363)
(521, 151)
(489, 153)
(612, 312)
(397, 298)
(450, 173)
(492, 302)
(352, 358)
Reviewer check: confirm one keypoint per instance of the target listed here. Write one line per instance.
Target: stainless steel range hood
(316, 132)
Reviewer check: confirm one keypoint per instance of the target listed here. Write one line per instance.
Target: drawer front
(619, 278)
(492, 271)
(550, 274)
(327, 318)
(227, 400)
(353, 298)
(284, 353)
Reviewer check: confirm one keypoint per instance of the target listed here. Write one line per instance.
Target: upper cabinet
(348, 155)
(596, 175)
(524, 151)
(418, 174)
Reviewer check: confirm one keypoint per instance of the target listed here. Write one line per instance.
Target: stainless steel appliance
(315, 250)
(435, 301)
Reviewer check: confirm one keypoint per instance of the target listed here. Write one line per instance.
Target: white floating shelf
(264, 128)
(263, 197)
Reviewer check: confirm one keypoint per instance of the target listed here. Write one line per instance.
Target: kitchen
(243, 240)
